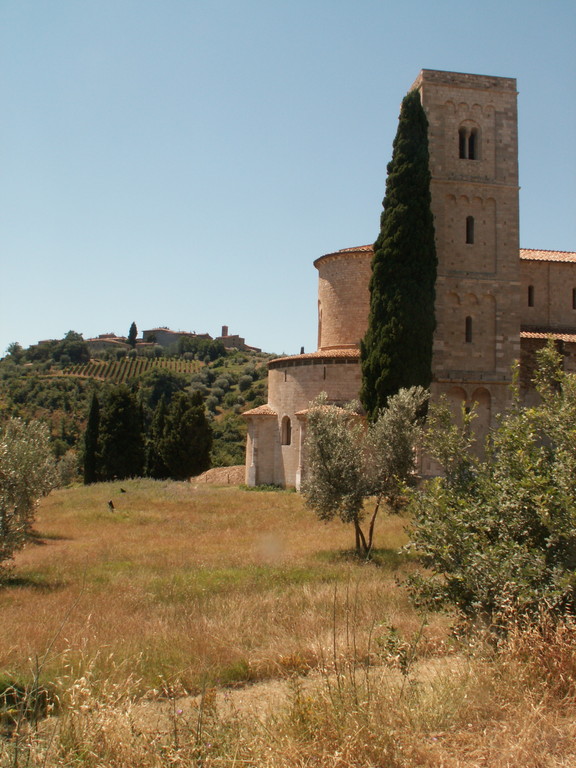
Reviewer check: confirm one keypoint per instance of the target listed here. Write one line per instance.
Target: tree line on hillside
(74, 350)
(166, 437)
(71, 349)
(230, 384)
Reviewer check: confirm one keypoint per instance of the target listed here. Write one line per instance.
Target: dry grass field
(206, 626)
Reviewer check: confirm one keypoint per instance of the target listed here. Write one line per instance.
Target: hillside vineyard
(495, 303)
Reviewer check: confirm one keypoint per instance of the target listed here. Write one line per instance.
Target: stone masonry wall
(475, 205)
(553, 285)
(292, 385)
(343, 297)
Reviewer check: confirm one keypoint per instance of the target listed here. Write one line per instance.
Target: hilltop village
(164, 338)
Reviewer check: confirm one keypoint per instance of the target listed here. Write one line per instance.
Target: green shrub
(27, 472)
(244, 383)
(499, 534)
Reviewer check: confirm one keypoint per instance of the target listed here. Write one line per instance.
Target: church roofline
(360, 249)
(558, 334)
(262, 410)
(321, 356)
(526, 254)
(532, 254)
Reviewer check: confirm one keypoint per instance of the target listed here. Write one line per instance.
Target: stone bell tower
(473, 142)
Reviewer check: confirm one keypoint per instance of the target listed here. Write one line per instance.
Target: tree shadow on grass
(34, 581)
(41, 539)
(391, 559)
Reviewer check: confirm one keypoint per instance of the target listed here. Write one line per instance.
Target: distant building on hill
(107, 342)
(234, 342)
(164, 337)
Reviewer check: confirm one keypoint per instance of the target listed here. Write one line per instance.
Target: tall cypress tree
(91, 442)
(155, 464)
(185, 447)
(132, 334)
(121, 435)
(397, 349)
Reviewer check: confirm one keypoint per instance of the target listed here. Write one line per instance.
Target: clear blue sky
(181, 163)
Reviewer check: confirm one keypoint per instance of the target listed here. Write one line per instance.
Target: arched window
(530, 295)
(469, 230)
(468, 330)
(468, 143)
(286, 431)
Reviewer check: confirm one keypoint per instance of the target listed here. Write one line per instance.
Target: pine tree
(397, 349)
(91, 442)
(121, 435)
(132, 334)
(185, 447)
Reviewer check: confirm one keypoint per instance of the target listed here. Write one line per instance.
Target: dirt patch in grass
(222, 476)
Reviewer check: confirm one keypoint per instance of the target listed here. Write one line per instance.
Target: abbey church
(495, 303)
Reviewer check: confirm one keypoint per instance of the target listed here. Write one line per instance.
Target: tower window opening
(473, 144)
(462, 143)
(469, 230)
(468, 143)
(531, 296)
(468, 330)
(286, 431)
(573, 298)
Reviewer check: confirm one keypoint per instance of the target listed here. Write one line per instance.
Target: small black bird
(111, 505)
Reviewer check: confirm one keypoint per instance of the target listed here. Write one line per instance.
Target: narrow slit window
(573, 298)
(286, 430)
(468, 330)
(469, 230)
(462, 143)
(530, 295)
(473, 144)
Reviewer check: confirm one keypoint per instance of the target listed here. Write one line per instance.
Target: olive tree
(351, 464)
(498, 535)
(27, 472)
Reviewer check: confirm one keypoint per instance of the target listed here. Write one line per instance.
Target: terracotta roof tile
(531, 254)
(326, 354)
(262, 410)
(366, 248)
(558, 335)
